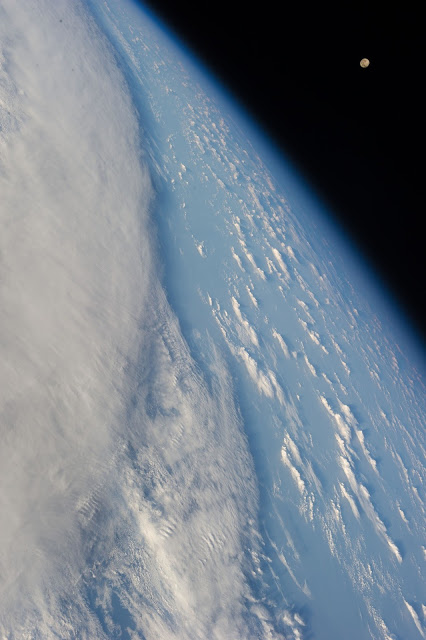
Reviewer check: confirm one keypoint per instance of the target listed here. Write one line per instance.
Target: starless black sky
(354, 133)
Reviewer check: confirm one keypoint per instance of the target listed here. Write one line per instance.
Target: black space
(354, 133)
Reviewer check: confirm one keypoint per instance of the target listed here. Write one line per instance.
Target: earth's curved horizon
(212, 417)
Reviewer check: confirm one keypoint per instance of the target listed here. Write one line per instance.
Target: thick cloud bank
(125, 483)
(73, 282)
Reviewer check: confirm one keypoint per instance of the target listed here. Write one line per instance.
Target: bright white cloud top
(207, 429)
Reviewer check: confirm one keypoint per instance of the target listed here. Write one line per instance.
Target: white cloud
(247, 329)
(237, 259)
(117, 462)
(363, 496)
(415, 617)
(259, 378)
(280, 262)
(310, 366)
(295, 473)
(281, 342)
(74, 199)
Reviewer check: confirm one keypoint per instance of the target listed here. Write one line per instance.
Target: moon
(364, 63)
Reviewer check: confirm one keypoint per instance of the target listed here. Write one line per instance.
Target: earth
(212, 417)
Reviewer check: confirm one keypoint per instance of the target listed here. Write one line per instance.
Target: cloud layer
(126, 486)
(74, 275)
